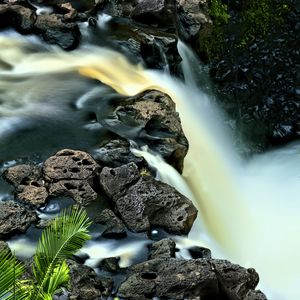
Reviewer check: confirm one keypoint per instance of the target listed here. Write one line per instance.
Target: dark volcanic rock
(162, 249)
(116, 153)
(190, 279)
(54, 31)
(170, 278)
(152, 117)
(200, 252)
(70, 173)
(85, 285)
(80, 190)
(110, 264)
(34, 195)
(115, 227)
(16, 16)
(69, 164)
(153, 203)
(115, 181)
(14, 218)
(23, 174)
(4, 247)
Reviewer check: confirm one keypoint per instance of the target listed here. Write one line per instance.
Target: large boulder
(151, 116)
(19, 17)
(143, 202)
(190, 279)
(14, 218)
(55, 31)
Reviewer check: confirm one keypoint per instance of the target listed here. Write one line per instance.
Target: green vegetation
(255, 19)
(258, 17)
(64, 236)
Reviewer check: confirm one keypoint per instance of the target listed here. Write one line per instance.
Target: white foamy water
(248, 208)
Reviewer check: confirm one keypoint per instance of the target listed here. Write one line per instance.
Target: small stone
(110, 264)
(162, 249)
(200, 252)
(33, 195)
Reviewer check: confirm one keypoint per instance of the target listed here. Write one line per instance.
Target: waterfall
(249, 208)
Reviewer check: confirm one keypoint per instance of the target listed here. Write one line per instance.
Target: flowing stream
(248, 209)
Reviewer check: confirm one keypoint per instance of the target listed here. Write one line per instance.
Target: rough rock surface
(69, 164)
(17, 16)
(193, 16)
(115, 228)
(54, 31)
(199, 252)
(189, 279)
(115, 181)
(85, 285)
(152, 117)
(70, 173)
(14, 218)
(162, 249)
(34, 195)
(110, 264)
(150, 203)
(4, 247)
(116, 153)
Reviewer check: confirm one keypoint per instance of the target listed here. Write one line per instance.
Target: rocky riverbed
(257, 83)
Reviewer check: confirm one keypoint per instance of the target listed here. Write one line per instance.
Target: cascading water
(249, 208)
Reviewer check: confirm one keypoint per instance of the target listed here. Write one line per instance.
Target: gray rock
(162, 249)
(151, 117)
(235, 280)
(80, 190)
(153, 203)
(116, 153)
(55, 31)
(69, 164)
(115, 181)
(170, 278)
(14, 218)
(84, 283)
(110, 264)
(4, 247)
(200, 252)
(115, 227)
(255, 295)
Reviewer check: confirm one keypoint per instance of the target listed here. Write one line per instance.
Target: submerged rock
(14, 218)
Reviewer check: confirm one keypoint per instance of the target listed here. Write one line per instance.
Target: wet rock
(155, 12)
(34, 195)
(153, 203)
(55, 31)
(255, 295)
(152, 117)
(19, 17)
(110, 264)
(116, 153)
(162, 249)
(193, 17)
(84, 283)
(79, 190)
(69, 164)
(170, 278)
(23, 174)
(4, 247)
(115, 227)
(70, 12)
(200, 252)
(235, 280)
(115, 181)
(14, 218)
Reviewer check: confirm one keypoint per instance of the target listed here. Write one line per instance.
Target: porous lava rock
(164, 248)
(14, 218)
(71, 173)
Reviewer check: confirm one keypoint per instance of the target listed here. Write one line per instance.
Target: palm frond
(10, 271)
(62, 239)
